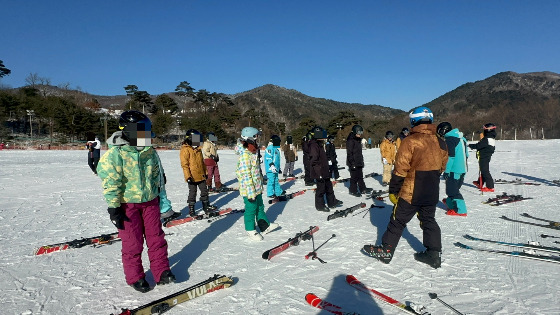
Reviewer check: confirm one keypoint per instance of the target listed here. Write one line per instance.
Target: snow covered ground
(52, 196)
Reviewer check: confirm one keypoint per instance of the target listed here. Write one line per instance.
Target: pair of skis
(164, 304)
(212, 216)
(286, 197)
(530, 254)
(294, 241)
(78, 243)
(517, 181)
(506, 199)
(317, 302)
(345, 212)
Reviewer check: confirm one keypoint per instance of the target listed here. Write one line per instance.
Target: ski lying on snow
(286, 197)
(550, 226)
(515, 182)
(551, 222)
(319, 303)
(77, 243)
(222, 190)
(162, 305)
(353, 281)
(520, 245)
(301, 236)
(511, 199)
(499, 197)
(204, 216)
(345, 212)
(512, 253)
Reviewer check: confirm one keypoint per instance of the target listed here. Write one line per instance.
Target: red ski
(302, 236)
(77, 243)
(317, 302)
(380, 296)
(212, 214)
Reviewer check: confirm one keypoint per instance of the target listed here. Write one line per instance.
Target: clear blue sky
(399, 54)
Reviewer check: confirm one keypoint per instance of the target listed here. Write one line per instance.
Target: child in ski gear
(355, 162)
(403, 134)
(485, 148)
(211, 159)
(250, 179)
(131, 180)
(195, 171)
(388, 151)
(320, 171)
(330, 150)
(94, 153)
(272, 167)
(455, 169)
(290, 154)
(414, 189)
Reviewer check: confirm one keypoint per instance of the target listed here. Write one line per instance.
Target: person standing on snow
(330, 150)
(320, 171)
(388, 153)
(250, 181)
(403, 134)
(414, 190)
(484, 150)
(355, 162)
(130, 176)
(94, 153)
(211, 159)
(272, 167)
(290, 154)
(195, 171)
(456, 168)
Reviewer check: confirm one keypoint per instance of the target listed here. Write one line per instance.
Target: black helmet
(289, 140)
(211, 136)
(489, 126)
(275, 140)
(444, 128)
(319, 133)
(389, 134)
(358, 130)
(136, 128)
(193, 137)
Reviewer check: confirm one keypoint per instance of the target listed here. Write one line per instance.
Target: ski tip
(362, 205)
(265, 254)
(351, 279)
(459, 244)
(312, 299)
(467, 236)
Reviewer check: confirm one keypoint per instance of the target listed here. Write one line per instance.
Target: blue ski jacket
(272, 156)
(458, 153)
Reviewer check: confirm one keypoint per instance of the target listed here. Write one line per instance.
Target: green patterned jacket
(128, 175)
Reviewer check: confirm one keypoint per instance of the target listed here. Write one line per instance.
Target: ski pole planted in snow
(434, 296)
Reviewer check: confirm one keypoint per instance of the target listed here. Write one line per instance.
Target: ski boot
(192, 213)
(166, 277)
(430, 257)
(141, 285)
(207, 208)
(383, 253)
(254, 235)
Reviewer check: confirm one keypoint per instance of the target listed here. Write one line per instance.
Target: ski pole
(545, 236)
(313, 254)
(434, 296)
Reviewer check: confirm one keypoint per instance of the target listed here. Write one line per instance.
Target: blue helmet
(250, 134)
(421, 115)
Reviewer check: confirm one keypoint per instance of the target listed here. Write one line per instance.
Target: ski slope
(52, 196)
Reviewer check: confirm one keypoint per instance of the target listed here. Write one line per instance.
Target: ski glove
(385, 161)
(446, 176)
(393, 198)
(190, 180)
(118, 217)
(273, 169)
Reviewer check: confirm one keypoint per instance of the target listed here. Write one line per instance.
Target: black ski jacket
(354, 155)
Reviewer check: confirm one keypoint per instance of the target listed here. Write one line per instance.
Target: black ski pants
(453, 186)
(92, 162)
(324, 187)
(333, 169)
(357, 180)
(193, 190)
(484, 165)
(402, 214)
(306, 169)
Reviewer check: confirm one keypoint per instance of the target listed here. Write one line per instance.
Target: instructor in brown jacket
(414, 189)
